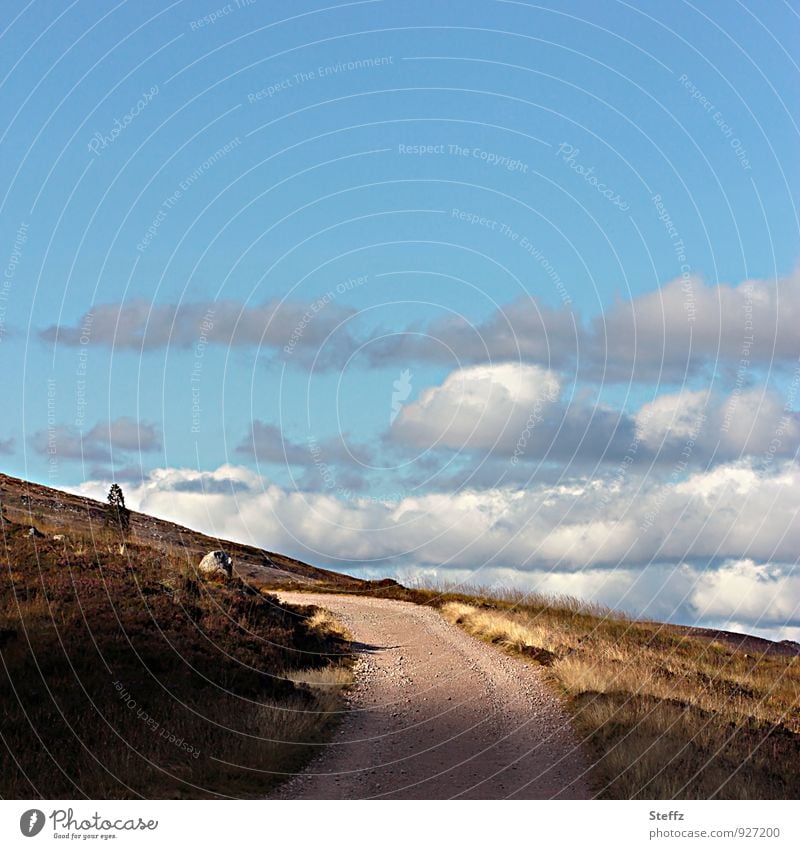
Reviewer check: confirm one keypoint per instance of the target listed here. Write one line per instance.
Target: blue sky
(270, 214)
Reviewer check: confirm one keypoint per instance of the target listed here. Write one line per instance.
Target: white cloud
(671, 417)
(478, 407)
(752, 422)
(750, 591)
(511, 410)
(599, 537)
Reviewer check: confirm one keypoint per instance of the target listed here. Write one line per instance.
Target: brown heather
(122, 675)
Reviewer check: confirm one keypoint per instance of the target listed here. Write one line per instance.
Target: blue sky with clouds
(491, 290)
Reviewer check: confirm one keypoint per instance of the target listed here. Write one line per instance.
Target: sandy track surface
(437, 714)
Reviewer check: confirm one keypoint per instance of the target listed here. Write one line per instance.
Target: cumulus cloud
(715, 427)
(6, 446)
(739, 595)
(514, 411)
(478, 407)
(301, 328)
(753, 592)
(123, 434)
(700, 526)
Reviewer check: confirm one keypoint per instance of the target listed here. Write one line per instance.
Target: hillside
(125, 674)
(53, 511)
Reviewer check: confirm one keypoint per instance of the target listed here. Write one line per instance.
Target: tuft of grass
(331, 678)
(515, 636)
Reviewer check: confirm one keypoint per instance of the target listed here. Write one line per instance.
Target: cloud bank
(733, 530)
(662, 335)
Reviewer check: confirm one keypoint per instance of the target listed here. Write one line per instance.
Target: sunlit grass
(664, 714)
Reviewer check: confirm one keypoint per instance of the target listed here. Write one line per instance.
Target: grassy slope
(665, 712)
(57, 512)
(123, 675)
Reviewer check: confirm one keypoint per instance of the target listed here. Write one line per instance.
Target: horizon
(430, 583)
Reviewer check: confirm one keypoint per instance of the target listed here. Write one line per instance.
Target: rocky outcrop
(216, 564)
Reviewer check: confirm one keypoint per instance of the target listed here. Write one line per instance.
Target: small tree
(117, 514)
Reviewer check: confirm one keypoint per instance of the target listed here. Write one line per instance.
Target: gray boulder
(216, 564)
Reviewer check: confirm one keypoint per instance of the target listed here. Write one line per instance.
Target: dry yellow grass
(327, 624)
(331, 678)
(665, 714)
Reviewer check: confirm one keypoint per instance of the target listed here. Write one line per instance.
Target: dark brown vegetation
(62, 512)
(122, 674)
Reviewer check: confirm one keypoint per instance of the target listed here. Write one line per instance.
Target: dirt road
(437, 714)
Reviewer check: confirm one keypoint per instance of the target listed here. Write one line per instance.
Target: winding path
(438, 714)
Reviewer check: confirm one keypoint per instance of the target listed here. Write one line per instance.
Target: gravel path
(438, 714)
